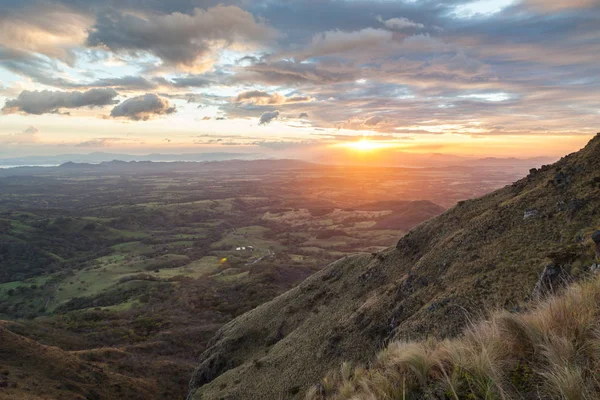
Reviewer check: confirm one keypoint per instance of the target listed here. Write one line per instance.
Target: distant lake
(37, 165)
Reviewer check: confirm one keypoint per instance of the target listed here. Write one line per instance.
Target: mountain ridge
(484, 253)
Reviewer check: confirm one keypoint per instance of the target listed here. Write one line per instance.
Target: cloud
(143, 108)
(365, 73)
(375, 120)
(398, 24)
(28, 136)
(303, 115)
(259, 97)
(284, 144)
(558, 5)
(189, 42)
(51, 29)
(252, 95)
(125, 83)
(106, 142)
(191, 81)
(37, 67)
(42, 102)
(292, 73)
(337, 42)
(267, 117)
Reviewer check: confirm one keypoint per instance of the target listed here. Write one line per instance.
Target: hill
(135, 266)
(31, 371)
(497, 251)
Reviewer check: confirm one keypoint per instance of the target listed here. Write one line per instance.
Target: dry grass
(549, 352)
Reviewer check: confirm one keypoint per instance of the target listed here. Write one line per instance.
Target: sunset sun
(367, 145)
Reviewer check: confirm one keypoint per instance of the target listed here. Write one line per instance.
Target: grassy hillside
(549, 352)
(135, 266)
(31, 371)
(483, 254)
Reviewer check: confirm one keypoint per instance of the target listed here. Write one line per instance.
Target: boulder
(552, 278)
(530, 213)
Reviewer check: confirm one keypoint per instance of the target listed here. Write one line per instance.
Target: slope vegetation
(30, 370)
(493, 252)
(550, 352)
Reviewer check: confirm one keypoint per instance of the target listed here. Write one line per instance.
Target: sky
(299, 78)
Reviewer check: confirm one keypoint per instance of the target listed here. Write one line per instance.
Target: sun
(367, 145)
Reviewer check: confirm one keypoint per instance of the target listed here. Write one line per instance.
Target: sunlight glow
(367, 145)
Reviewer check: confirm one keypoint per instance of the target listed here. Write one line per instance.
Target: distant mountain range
(392, 159)
(406, 159)
(98, 157)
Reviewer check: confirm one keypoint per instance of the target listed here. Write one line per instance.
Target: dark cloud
(253, 94)
(263, 98)
(42, 102)
(38, 68)
(267, 117)
(303, 115)
(340, 42)
(292, 73)
(191, 81)
(182, 40)
(143, 108)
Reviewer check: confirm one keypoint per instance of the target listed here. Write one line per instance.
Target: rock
(573, 206)
(553, 277)
(596, 239)
(532, 172)
(530, 213)
(561, 179)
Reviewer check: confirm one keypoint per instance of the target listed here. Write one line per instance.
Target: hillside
(483, 254)
(31, 371)
(548, 352)
(136, 269)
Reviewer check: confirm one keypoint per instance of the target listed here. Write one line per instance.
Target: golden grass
(549, 352)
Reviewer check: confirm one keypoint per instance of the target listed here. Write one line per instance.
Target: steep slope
(548, 352)
(30, 370)
(482, 254)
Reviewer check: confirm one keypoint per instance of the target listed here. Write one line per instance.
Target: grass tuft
(551, 351)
